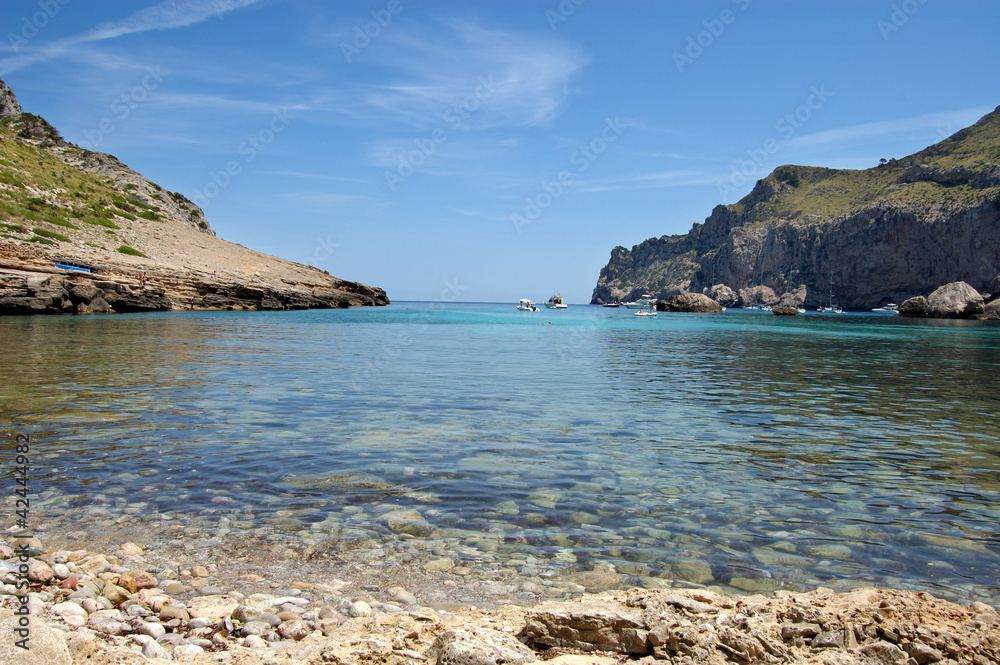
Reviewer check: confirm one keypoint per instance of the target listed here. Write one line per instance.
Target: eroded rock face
(9, 106)
(868, 626)
(689, 302)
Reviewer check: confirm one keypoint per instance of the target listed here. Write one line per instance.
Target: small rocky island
(83, 233)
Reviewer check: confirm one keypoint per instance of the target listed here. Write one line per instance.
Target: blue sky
(489, 151)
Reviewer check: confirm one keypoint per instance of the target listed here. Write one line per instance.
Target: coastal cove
(741, 452)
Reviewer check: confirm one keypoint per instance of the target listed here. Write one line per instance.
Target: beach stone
(136, 580)
(33, 545)
(596, 581)
(296, 629)
(215, 608)
(695, 571)
(408, 522)
(271, 619)
(152, 629)
(40, 572)
(69, 583)
(244, 614)
(209, 590)
(109, 622)
(116, 594)
(172, 612)
(60, 571)
(6, 552)
(69, 609)
(256, 628)
(254, 642)
(176, 588)
(94, 563)
(199, 571)
(46, 646)
(360, 608)
(401, 595)
(198, 622)
(153, 649)
(187, 650)
(288, 616)
(442, 564)
(89, 605)
(478, 646)
(131, 549)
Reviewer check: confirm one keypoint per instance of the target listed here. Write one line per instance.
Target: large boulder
(915, 306)
(758, 295)
(795, 298)
(957, 300)
(689, 302)
(991, 312)
(724, 295)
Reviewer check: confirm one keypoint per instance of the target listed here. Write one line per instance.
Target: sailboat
(831, 308)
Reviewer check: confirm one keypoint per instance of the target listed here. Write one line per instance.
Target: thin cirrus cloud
(165, 15)
(647, 181)
(944, 123)
(497, 77)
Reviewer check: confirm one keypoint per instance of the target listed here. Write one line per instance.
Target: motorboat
(830, 309)
(645, 312)
(556, 302)
(612, 304)
(645, 301)
(526, 305)
(891, 308)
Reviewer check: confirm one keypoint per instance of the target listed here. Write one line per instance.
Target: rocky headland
(136, 605)
(862, 238)
(141, 248)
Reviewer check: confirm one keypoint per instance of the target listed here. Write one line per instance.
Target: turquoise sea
(742, 450)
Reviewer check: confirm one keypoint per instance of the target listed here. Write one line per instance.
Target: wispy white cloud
(325, 198)
(474, 78)
(165, 15)
(319, 176)
(944, 123)
(655, 180)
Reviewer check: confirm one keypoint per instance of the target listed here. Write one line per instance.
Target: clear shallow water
(741, 450)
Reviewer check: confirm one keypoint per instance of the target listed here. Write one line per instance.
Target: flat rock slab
(46, 646)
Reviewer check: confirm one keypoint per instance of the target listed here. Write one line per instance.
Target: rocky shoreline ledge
(137, 606)
(34, 285)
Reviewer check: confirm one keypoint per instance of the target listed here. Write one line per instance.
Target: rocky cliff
(870, 236)
(145, 248)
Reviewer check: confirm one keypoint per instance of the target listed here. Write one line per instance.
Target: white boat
(831, 309)
(800, 310)
(526, 305)
(645, 312)
(556, 302)
(644, 302)
(891, 308)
